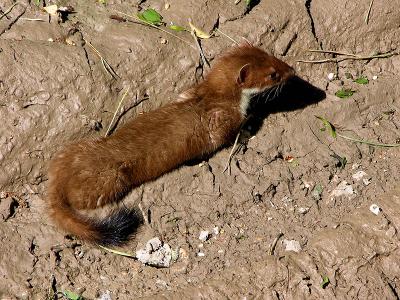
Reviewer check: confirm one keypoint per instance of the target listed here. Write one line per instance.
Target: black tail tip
(119, 227)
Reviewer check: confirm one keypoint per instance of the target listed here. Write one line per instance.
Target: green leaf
(317, 192)
(151, 16)
(36, 2)
(328, 125)
(362, 80)
(344, 93)
(325, 282)
(177, 28)
(71, 295)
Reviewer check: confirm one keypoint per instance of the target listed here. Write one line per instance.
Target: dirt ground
(289, 184)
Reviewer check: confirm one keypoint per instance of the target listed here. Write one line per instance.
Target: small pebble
(374, 77)
(220, 251)
(167, 5)
(366, 181)
(200, 245)
(303, 210)
(359, 175)
(201, 254)
(105, 296)
(292, 245)
(204, 235)
(216, 230)
(374, 209)
(331, 76)
(163, 41)
(50, 40)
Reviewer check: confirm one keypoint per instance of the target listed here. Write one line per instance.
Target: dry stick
(118, 252)
(29, 19)
(227, 36)
(202, 56)
(228, 163)
(156, 27)
(331, 52)
(339, 59)
(105, 64)
(369, 12)
(116, 111)
(273, 245)
(367, 142)
(8, 10)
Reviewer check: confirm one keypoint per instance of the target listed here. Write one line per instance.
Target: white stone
(331, 76)
(374, 77)
(204, 235)
(292, 245)
(374, 209)
(359, 175)
(343, 189)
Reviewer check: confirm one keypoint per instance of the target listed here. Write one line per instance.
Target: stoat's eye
(273, 76)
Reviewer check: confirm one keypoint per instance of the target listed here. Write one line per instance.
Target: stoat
(90, 174)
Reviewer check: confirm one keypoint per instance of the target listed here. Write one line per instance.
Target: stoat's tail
(115, 229)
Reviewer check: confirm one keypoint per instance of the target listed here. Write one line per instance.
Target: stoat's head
(251, 72)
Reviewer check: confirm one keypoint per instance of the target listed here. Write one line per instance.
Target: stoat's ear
(243, 74)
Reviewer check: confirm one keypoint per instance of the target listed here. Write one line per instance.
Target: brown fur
(92, 173)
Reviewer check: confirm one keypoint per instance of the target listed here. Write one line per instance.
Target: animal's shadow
(296, 94)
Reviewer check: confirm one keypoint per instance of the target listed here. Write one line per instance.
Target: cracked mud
(289, 181)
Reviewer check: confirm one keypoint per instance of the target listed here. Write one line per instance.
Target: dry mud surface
(55, 92)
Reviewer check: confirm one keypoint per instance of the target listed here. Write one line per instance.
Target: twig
(30, 19)
(353, 57)
(116, 111)
(332, 52)
(105, 64)
(367, 142)
(156, 27)
(228, 163)
(273, 245)
(201, 52)
(369, 11)
(118, 252)
(227, 36)
(8, 10)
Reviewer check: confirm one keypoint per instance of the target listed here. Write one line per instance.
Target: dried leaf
(51, 9)
(198, 32)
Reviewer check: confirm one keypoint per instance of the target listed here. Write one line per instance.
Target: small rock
(156, 253)
(216, 230)
(204, 235)
(292, 245)
(303, 210)
(359, 175)
(164, 41)
(374, 209)
(221, 251)
(374, 77)
(343, 189)
(7, 208)
(331, 76)
(201, 254)
(366, 181)
(200, 245)
(105, 296)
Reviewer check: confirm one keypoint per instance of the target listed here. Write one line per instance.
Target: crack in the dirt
(88, 62)
(308, 8)
(12, 22)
